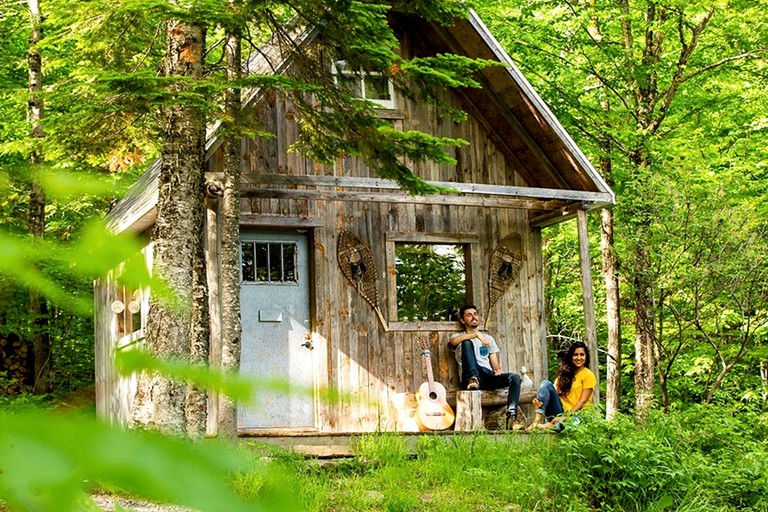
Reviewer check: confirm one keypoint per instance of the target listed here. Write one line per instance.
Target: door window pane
(268, 262)
(247, 265)
(262, 262)
(289, 262)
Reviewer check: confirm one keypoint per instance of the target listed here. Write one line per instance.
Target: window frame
(472, 251)
(361, 75)
(120, 292)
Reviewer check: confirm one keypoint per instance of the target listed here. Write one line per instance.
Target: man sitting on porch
(479, 366)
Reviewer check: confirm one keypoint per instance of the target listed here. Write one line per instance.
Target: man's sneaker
(473, 383)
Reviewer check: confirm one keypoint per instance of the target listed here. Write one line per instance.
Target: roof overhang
(560, 178)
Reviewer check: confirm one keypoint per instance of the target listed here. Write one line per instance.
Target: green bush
(704, 458)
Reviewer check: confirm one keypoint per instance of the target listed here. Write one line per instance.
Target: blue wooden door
(276, 343)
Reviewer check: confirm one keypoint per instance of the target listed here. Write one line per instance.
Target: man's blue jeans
(488, 380)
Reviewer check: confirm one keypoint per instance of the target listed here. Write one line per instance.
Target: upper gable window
(371, 86)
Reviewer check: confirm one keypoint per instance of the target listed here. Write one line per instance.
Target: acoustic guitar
(433, 411)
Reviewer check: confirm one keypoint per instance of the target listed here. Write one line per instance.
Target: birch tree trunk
(38, 308)
(174, 328)
(609, 258)
(230, 236)
(611, 279)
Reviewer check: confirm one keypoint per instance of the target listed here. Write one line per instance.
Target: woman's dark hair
(566, 371)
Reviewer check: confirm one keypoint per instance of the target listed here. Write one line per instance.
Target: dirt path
(108, 502)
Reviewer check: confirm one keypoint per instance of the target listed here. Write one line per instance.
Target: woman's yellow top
(584, 379)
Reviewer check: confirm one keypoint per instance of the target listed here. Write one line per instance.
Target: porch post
(212, 259)
(588, 298)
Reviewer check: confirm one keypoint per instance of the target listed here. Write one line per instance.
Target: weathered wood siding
(374, 370)
(114, 393)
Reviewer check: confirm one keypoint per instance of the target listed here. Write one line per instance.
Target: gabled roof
(530, 131)
(520, 123)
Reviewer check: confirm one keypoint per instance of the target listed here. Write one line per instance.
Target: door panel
(276, 347)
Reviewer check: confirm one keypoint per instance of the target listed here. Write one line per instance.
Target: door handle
(308, 344)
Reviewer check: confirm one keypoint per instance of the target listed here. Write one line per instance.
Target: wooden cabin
(322, 248)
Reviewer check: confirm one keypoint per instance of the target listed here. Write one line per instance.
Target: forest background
(667, 98)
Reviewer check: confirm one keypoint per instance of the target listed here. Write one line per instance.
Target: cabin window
(431, 281)
(429, 277)
(128, 308)
(268, 262)
(371, 86)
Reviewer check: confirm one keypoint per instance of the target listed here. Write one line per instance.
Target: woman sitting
(571, 392)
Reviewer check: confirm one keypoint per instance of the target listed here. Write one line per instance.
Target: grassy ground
(668, 463)
(702, 458)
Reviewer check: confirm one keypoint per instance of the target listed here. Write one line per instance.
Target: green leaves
(51, 462)
(235, 387)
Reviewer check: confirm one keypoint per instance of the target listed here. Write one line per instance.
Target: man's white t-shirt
(481, 354)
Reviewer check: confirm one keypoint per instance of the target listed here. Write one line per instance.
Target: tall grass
(706, 458)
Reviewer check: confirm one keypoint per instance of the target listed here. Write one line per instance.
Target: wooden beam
(253, 182)
(395, 197)
(549, 218)
(588, 298)
(283, 221)
(431, 238)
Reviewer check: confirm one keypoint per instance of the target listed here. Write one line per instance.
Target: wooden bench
(469, 405)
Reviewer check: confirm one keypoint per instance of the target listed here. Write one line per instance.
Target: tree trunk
(196, 406)
(644, 360)
(173, 329)
(645, 90)
(611, 276)
(230, 238)
(643, 294)
(588, 300)
(663, 387)
(38, 308)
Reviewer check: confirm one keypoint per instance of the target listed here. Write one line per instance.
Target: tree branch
(682, 61)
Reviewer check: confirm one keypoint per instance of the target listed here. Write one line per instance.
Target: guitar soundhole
(433, 395)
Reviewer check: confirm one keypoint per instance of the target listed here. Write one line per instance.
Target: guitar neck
(428, 362)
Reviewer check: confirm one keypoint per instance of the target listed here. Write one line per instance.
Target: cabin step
(469, 406)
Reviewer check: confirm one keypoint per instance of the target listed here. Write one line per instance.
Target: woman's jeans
(551, 405)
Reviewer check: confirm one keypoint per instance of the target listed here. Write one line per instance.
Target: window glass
(275, 262)
(289, 262)
(430, 282)
(370, 86)
(262, 262)
(351, 83)
(247, 265)
(128, 309)
(377, 88)
(268, 262)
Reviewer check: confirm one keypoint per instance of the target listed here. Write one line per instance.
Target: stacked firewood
(14, 367)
